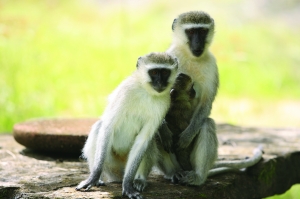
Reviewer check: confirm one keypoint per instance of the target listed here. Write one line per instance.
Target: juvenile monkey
(192, 35)
(121, 145)
(177, 120)
(178, 117)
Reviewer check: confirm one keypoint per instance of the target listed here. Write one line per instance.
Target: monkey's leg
(148, 161)
(203, 155)
(102, 145)
(90, 145)
(140, 146)
(167, 163)
(114, 166)
(89, 148)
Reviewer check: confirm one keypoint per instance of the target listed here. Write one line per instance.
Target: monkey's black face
(159, 78)
(197, 40)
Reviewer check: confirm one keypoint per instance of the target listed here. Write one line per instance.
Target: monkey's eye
(165, 72)
(153, 72)
(189, 31)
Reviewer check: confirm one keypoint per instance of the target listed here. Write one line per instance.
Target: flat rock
(30, 174)
(64, 135)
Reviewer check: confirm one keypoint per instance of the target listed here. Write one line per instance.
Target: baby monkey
(182, 98)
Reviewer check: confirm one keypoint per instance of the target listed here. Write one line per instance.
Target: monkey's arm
(201, 112)
(103, 140)
(136, 154)
(187, 136)
(165, 137)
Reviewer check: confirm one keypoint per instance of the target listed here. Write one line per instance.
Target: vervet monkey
(192, 35)
(122, 144)
(178, 118)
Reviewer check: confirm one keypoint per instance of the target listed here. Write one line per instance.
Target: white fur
(129, 122)
(204, 73)
(192, 25)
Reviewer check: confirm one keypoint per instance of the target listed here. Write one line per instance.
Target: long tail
(234, 165)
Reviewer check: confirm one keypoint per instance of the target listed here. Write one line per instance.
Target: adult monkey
(121, 145)
(192, 35)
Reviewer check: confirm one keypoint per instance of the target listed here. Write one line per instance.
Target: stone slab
(30, 174)
(63, 135)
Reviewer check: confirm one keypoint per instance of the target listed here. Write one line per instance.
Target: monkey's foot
(100, 183)
(131, 193)
(191, 178)
(87, 185)
(176, 178)
(139, 184)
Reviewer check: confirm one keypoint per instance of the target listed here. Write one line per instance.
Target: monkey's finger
(132, 194)
(135, 196)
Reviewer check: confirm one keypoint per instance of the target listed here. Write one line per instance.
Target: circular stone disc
(54, 135)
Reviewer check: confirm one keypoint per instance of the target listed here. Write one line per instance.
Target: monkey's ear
(174, 24)
(137, 63)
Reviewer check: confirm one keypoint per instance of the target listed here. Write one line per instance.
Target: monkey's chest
(178, 118)
(124, 136)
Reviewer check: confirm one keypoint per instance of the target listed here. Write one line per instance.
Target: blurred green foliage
(62, 58)
(293, 193)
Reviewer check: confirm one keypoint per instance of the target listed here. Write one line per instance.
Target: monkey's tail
(239, 164)
(216, 171)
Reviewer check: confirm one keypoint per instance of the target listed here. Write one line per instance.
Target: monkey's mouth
(158, 86)
(197, 53)
(160, 89)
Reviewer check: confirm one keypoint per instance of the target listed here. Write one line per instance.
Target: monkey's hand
(185, 139)
(139, 184)
(88, 184)
(166, 139)
(130, 192)
(190, 178)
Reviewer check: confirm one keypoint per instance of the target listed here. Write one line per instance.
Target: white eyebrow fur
(191, 25)
(151, 66)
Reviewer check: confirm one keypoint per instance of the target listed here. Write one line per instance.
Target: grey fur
(195, 17)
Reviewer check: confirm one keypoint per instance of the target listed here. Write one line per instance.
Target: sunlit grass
(64, 58)
(58, 61)
(293, 193)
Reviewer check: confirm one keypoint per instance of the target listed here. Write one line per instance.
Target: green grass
(293, 193)
(62, 59)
